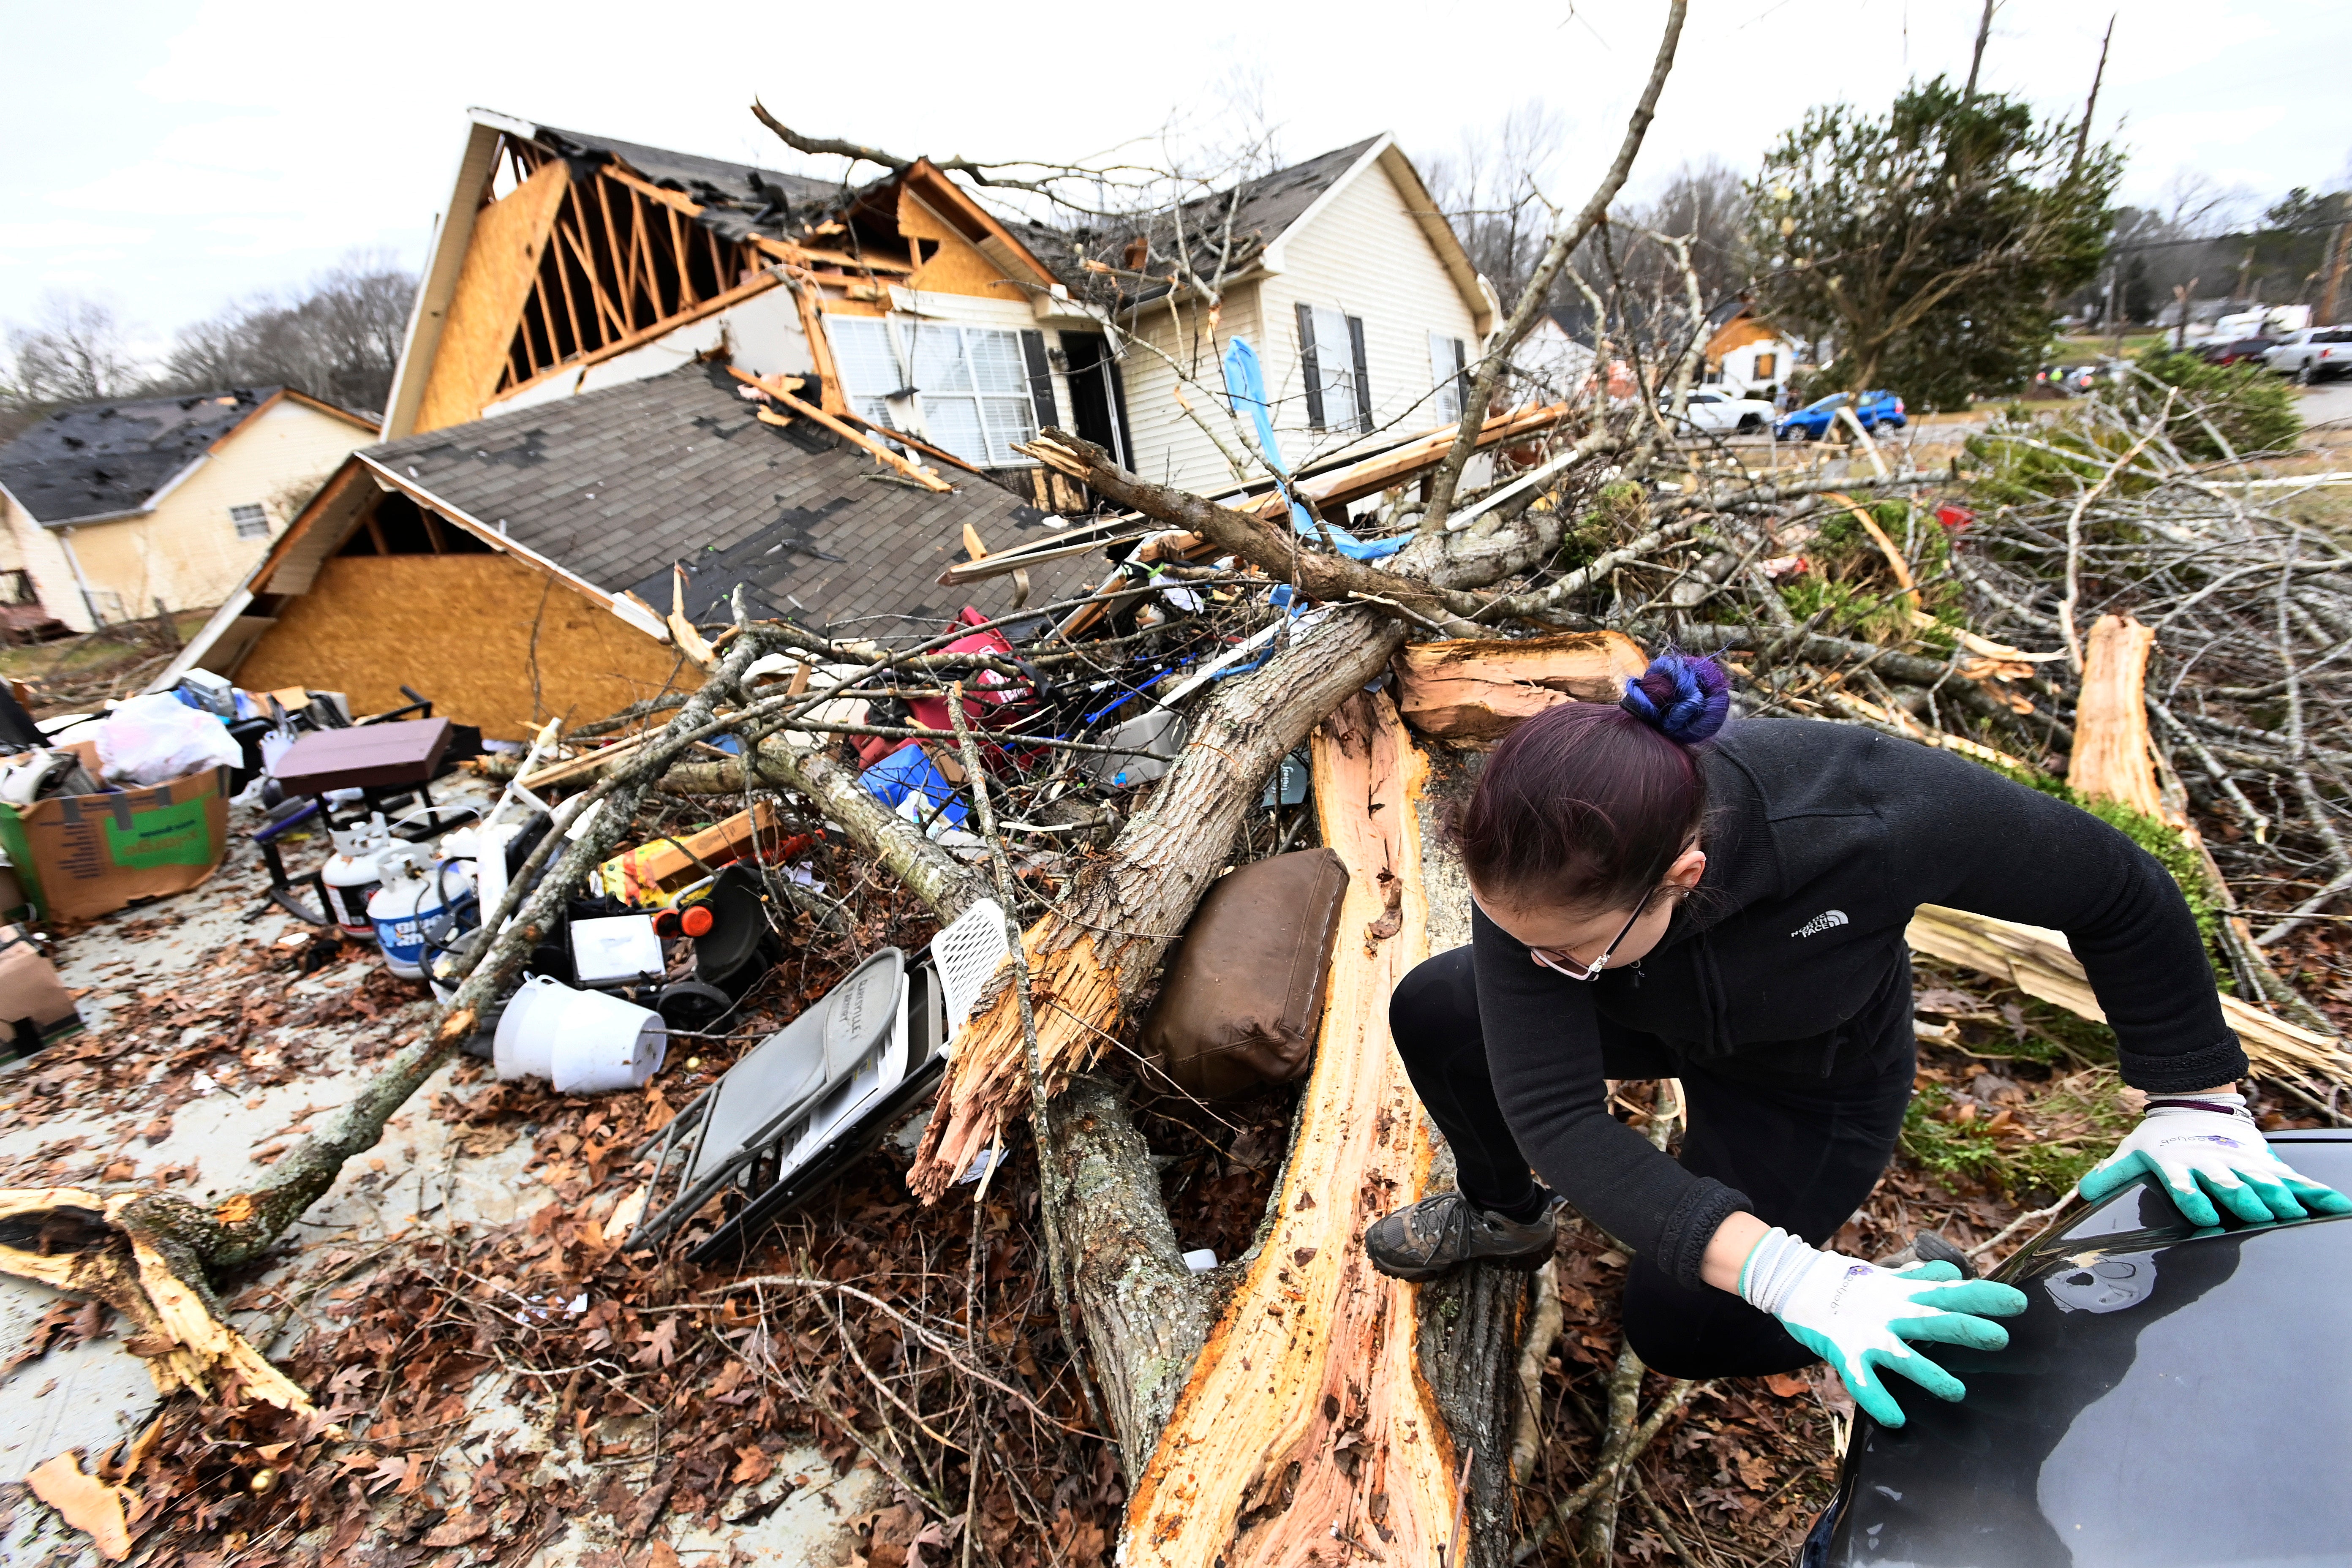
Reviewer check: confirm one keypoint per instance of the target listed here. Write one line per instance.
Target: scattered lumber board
(1303, 1426)
(2038, 962)
(1474, 690)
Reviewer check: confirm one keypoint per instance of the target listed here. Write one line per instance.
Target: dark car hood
(2170, 1398)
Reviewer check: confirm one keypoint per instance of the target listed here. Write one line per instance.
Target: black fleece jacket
(1789, 959)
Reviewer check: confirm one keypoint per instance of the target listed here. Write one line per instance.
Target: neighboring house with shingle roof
(521, 567)
(114, 509)
(1363, 309)
(571, 261)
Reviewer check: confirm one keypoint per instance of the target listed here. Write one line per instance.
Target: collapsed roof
(616, 486)
(105, 460)
(738, 200)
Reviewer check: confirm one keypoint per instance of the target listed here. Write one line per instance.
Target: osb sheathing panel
(955, 265)
(502, 264)
(459, 629)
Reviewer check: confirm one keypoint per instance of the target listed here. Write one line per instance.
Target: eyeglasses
(1565, 964)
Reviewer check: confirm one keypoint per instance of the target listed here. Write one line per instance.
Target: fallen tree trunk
(1478, 691)
(1475, 1323)
(1092, 954)
(931, 873)
(1305, 1420)
(1144, 1311)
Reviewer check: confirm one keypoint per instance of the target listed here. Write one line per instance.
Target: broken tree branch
(1320, 575)
(1537, 296)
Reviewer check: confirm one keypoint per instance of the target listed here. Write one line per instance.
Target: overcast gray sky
(167, 158)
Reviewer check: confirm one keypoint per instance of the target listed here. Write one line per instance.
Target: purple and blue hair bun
(1681, 698)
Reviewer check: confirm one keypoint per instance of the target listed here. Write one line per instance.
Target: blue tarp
(1246, 386)
(908, 774)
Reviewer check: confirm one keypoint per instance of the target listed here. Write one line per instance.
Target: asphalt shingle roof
(738, 199)
(1260, 210)
(618, 485)
(98, 459)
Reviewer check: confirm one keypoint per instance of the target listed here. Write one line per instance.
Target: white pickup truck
(2312, 354)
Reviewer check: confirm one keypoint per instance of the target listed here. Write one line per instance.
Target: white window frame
(998, 415)
(1447, 354)
(250, 520)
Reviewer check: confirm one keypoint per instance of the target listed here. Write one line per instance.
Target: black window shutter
(1363, 375)
(1310, 366)
(1108, 367)
(1461, 378)
(1041, 379)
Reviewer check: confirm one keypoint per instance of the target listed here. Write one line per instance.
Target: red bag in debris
(989, 695)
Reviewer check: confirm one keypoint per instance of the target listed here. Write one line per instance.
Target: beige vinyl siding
(1169, 448)
(186, 552)
(1364, 254)
(43, 556)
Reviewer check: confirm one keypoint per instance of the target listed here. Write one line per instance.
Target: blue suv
(1812, 422)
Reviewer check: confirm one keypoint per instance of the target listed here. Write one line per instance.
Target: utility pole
(2181, 293)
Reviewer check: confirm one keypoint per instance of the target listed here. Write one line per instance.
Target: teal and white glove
(2205, 1149)
(1856, 1315)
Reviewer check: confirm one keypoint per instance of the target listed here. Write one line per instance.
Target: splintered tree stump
(2038, 962)
(1091, 954)
(1305, 1433)
(2112, 759)
(1477, 690)
(1474, 1321)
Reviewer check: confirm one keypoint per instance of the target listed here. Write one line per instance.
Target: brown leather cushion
(1240, 1001)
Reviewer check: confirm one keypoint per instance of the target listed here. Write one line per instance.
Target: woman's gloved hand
(2206, 1150)
(1856, 1315)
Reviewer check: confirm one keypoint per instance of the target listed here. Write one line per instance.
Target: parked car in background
(2237, 350)
(2075, 380)
(2313, 354)
(1713, 411)
(1875, 410)
(2158, 1370)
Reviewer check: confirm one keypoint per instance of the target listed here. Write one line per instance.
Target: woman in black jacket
(1651, 904)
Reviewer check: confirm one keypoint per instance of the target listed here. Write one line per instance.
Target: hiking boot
(1437, 1235)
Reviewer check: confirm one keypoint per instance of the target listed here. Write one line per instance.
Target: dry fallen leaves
(89, 1504)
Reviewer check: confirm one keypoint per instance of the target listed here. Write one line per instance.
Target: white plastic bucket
(602, 1044)
(525, 1042)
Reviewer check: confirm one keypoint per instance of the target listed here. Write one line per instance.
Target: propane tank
(353, 875)
(412, 896)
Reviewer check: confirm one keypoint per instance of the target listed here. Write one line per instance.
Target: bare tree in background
(1706, 204)
(1491, 189)
(338, 341)
(76, 351)
(2199, 206)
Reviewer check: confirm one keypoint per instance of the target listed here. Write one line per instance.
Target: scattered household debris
(682, 936)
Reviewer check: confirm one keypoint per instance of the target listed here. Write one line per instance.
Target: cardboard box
(35, 1008)
(82, 855)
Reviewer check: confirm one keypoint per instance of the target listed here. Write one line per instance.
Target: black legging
(1806, 1152)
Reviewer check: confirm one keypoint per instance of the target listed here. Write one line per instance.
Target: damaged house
(117, 509)
(624, 360)
(522, 567)
(1348, 284)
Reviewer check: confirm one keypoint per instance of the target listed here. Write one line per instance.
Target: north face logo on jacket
(1821, 923)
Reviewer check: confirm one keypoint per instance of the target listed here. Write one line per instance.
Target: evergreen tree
(1927, 243)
